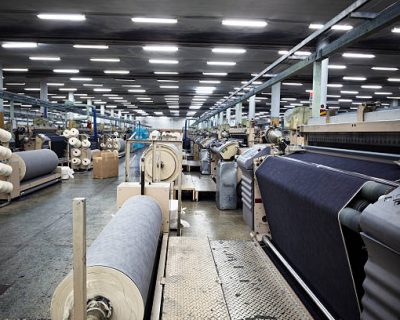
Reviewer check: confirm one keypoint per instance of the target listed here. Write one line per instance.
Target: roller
(75, 142)
(350, 218)
(74, 132)
(66, 133)
(86, 162)
(5, 153)
(5, 170)
(5, 136)
(168, 157)
(76, 152)
(120, 263)
(6, 187)
(76, 161)
(35, 163)
(372, 190)
(86, 143)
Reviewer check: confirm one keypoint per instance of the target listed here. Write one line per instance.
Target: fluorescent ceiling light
(66, 70)
(342, 27)
(101, 90)
(297, 53)
(163, 61)
(345, 100)
(15, 69)
(332, 96)
(396, 30)
(337, 66)
(116, 71)
(221, 63)
(143, 98)
(292, 84)
(315, 26)
(91, 46)
(195, 107)
(105, 59)
(384, 68)
(68, 89)
(110, 106)
(396, 98)
(166, 72)
(334, 85)
(131, 85)
(154, 20)
(358, 55)
(61, 17)
(137, 90)
(159, 113)
(217, 74)
(55, 84)
(15, 83)
(169, 87)
(32, 89)
(81, 79)
(244, 23)
(171, 96)
(205, 89)
(173, 107)
(371, 87)
(110, 95)
(254, 82)
(17, 45)
(383, 93)
(92, 85)
(289, 99)
(364, 97)
(355, 78)
(229, 50)
(389, 79)
(210, 81)
(45, 58)
(160, 48)
(58, 97)
(348, 92)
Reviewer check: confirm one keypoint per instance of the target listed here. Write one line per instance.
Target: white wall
(163, 122)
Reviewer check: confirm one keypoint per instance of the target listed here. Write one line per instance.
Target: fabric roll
(36, 163)
(76, 152)
(75, 142)
(67, 133)
(74, 132)
(120, 262)
(86, 143)
(6, 187)
(85, 162)
(303, 201)
(5, 169)
(5, 136)
(76, 161)
(5, 153)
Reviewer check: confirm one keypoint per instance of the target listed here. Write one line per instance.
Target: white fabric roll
(116, 152)
(102, 145)
(75, 142)
(5, 169)
(86, 143)
(76, 161)
(86, 162)
(5, 136)
(5, 153)
(110, 140)
(67, 133)
(116, 146)
(109, 145)
(76, 152)
(116, 134)
(74, 132)
(6, 187)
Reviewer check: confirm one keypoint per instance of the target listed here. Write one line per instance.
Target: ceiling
(198, 30)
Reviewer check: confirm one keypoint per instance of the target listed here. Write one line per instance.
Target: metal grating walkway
(252, 288)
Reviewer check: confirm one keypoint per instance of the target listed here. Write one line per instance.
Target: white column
(275, 102)
(71, 97)
(238, 113)
(228, 115)
(120, 114)
(221, 118)
(102, 109)
(320, 82)
(112, 113)
(252, 108)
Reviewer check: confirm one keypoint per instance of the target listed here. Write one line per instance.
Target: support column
(221, 118)
(252, 108)
(238, 114)
(1, 100)
(320, 82)
(12, 115)
(102, 109)
(71, 97)
(228, 116)
(112, 113)
(43, 96)
(275, 103)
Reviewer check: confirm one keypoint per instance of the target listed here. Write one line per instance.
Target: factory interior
(181, 159)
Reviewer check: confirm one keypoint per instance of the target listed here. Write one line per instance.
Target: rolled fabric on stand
(5, 153)
(5, 136)
(120, 262)
(76, 161)
(75, 142)
(5, 169)
(67, 133)
(76, 152)
(74, 132)
(86, 143)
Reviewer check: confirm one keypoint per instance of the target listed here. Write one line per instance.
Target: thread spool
(75, 142)
(74, 132)
(76, 161)
(116, 146)
(86, 143)
(102, 145)
(86, 162)
(66, 133)
(116, 152)
(76, 152)
(6, 187)
(5, 136)
(116, 134)
(109, 145)
(5, 153)
(110, 140)
(5, 169)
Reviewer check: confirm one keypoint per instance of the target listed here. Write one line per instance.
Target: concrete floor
(36, 231)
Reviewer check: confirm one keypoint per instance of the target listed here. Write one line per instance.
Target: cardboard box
(105, 165)
(159, 191)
